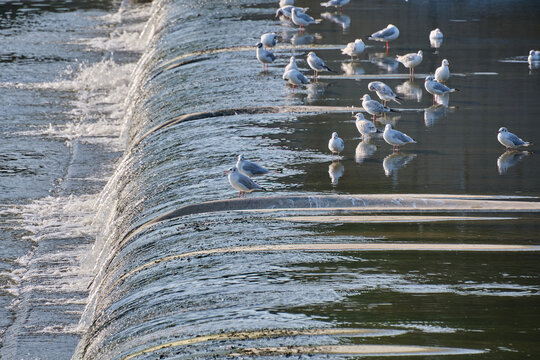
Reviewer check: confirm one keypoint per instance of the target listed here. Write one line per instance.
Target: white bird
(436, 88)
(269, 40)
(287, 9)
(301, 19)
(242, 183)
(383, 91)
(265, 57)
(411, 60)
(295, 77)
(396, 138)
(374, 107)
(436, 34)
(316, 63)
(509, 140)
(442, 74)
(534, 55)
(365, 127)
(291, 65)
(335, 144)
(249, 168)
(354, 48)
(391, 32)
(336, 3)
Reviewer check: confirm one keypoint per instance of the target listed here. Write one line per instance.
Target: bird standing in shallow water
(396, 138)
(265, 57)
(316, 63)
(242, 183)
(354, 48)
(510, 140)
(336, 144)
(410, 61)
(442, 74)
(383, 91)
(249, 168)
(391, 32)
(374, 107)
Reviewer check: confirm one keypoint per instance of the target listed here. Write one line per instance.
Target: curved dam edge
(360, 203)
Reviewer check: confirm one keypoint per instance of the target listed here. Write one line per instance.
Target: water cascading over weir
(185, 269)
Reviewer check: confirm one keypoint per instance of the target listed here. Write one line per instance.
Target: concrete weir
(185, 269)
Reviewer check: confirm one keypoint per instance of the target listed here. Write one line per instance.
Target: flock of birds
(240, 175)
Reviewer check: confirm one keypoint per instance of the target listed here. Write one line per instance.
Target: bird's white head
(293, 59)
(371, 86)
(429, 78)
(366, 97)
(240, 157)
(389, 26)
(502, 130)
(445, 62)
(334, 135)
(359, 116)
(531, 52)
(358, 41)
(311, 53)
(388, 127)
(420, 53)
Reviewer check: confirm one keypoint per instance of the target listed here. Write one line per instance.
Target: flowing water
(115, 244)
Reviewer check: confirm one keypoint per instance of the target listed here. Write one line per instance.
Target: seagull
(269, 40)
(287, 9)
(291, 65)
(316, 63)
(442, 74)
(509, 140)
(384, 92)
(436, 88)
(265, 57)
(395, 137)
(301, 19)
(374, 107)
(295, 77)
(391, 32)
(248, 168)
(435, 34)
(242, 183)
(336, 3)
(534, 55)
(411, 60)
(354, 48)
(365, 127)
(335, 144)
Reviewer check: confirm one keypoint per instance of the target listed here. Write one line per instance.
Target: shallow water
(275, 282)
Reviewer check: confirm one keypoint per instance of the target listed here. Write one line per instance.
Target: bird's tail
(528, 143)
(394, 110)
(454, 90)
(398, 100)
(327, 68)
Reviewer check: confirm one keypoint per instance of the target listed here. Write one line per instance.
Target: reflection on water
(364, 150)
(315, 91)
(435, 43)
(384, 62)
(410, 90)
(338, 18)
(336, 170)
(433, 114)
(395, 161)
(352, 68)
(508, 159)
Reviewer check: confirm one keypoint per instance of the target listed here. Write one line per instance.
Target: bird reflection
(389, 119)
(395, 161)
(351, 68)
(433, 114)
(335, 170)
(383, 62)
(339, 19)
(508, 159)
(364, 150)
(410, 91)
(534, 65)
(435, 43)
(315, 91)
(442, 99)
(304, 39)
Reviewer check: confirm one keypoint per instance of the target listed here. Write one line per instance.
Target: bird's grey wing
(385, 89)
(440, 87)
(305, 17)
(403, 137)
(385, 32)
(254, 168)
(516, 140)
(302, 78)
(248, 183)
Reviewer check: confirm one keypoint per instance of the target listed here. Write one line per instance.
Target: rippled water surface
(272, 282)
